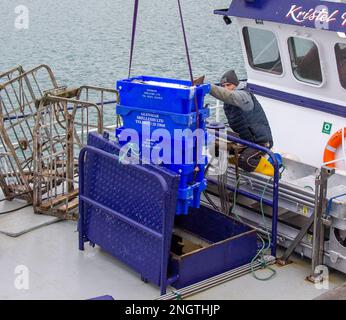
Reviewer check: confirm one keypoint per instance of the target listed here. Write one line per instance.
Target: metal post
(70, 153)
(320, 207)
(284, 260)
(218, 111)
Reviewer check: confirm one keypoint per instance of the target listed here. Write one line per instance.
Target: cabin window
(262, 50)
(340, 51)
(305, 60)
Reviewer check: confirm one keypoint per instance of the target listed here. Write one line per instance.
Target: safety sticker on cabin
(327, 128)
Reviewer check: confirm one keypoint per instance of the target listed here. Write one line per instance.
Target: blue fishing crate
(171, 95)
(136, 118)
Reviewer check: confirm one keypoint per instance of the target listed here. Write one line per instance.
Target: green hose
(264, 248)
(231, 211)
(261, 253)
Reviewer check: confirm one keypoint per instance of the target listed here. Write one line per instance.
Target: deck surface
(338, 293)
(57, 270)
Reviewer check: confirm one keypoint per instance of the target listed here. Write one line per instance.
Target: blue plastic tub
(135, 118)
(150, 104)
(162, 94)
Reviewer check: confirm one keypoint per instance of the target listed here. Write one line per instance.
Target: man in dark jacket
(245, 116)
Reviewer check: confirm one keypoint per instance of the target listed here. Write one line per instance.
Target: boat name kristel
(320, 14)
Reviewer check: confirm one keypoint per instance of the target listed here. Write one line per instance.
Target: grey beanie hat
(230, 77)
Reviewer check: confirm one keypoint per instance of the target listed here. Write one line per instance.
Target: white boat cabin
(295, 56)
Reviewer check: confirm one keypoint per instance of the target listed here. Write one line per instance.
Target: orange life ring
(333, 144)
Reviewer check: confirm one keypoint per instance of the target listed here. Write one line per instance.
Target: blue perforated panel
(128, 210)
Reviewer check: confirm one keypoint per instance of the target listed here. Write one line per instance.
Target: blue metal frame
(275, 202)
(280, 11)
(139, 234)
(163, 236)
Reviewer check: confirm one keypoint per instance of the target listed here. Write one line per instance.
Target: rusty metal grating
(19, 93)
(43, 126)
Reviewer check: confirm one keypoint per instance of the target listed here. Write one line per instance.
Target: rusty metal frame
(42, 128)
(19, 92)
(84, 94)
(61, 131)
(10, 74)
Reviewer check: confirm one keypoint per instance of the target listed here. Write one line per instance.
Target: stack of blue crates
(151, 103)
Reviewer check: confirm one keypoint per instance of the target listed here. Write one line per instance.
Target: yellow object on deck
(265, 167)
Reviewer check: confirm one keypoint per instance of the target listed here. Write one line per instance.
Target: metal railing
(274, 202)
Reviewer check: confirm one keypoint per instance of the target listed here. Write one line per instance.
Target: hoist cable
(191, 75)
(185, 41)
(134, 27)
(133, 39)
